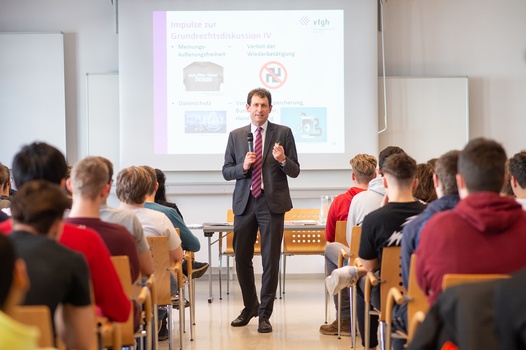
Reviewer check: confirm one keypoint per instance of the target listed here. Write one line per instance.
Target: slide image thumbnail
(205, 122)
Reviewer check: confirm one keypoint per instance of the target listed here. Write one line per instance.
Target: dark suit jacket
(275, 182)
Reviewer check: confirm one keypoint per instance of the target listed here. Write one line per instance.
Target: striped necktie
(256, 170)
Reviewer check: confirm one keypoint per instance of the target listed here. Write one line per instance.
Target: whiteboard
(32, 91)
(103, 116)
(426, 116)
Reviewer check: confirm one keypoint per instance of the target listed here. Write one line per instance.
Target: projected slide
(205, 63)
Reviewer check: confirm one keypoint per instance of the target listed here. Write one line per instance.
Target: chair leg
(181, 317)
(192, 307)
(339, 315)
(279, 281)
(387, 335)
(353, 295)
(381, 326)
(169, 324)
(367, 325)
(220, 264)
(155, 327)
(284, 271)
(327, 296)
(228, 275)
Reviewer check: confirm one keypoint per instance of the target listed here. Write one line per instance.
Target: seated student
(58, 275)
(5, 186)
(484, 233)
(133, 186)
(160, 194)
(425, 191)
(367, 201)
(445, 185)
(88, 184)
(517, 180)
(40, 160)
(14, 283)
(363, 168)
(127, 219)
(381, 228)
(189, 242)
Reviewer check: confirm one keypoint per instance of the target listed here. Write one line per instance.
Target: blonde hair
(88, 177)
(364, 167)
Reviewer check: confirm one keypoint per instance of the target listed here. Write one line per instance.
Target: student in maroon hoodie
(484, 233)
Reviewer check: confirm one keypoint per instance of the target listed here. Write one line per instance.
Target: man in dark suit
(261, 198)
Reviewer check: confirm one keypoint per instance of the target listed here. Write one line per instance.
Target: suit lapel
(269, 141)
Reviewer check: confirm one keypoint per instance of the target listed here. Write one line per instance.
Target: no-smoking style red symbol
(273, 75)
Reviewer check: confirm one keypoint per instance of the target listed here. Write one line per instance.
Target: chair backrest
(40, 317)
(229, 249)
(122, 267)
(301, 242)
(340, 234)
(298, 214)
(161, 264)
(354, 244)
(451, 279)
(418, 299)
(390, 275)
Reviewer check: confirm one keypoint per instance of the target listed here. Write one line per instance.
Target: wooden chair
(390, 277)
(339, 237)
(417, 306)
(229, 253)
(189, 257)
(451, 279)
(128, 335)
(302, 243)
(162, 269)
(352, 257)
(38, 316)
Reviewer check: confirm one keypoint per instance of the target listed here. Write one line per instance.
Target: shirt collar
(253, 127)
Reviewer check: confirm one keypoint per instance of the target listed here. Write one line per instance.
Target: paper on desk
(194, 226)
(218, 224)
(302, 222)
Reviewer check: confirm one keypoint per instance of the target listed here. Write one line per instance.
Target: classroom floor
(296, 320)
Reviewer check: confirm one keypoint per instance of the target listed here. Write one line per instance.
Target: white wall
(481, 39)
(90, 45)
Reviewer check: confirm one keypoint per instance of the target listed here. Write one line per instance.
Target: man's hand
(250, 158)
(278, 153)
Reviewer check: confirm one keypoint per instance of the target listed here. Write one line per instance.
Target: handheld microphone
(250, 140)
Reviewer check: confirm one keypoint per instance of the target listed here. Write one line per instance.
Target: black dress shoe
(264, 326)
(245, 316)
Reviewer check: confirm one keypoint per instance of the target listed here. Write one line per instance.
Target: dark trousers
(257, 215)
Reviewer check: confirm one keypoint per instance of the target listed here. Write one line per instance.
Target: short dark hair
(517, 168)
(481, 164)
(7, 266)
(261, 93)
(39, 204)
(401, 167)
(385, 153)
(446, 169)
(39, 160)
